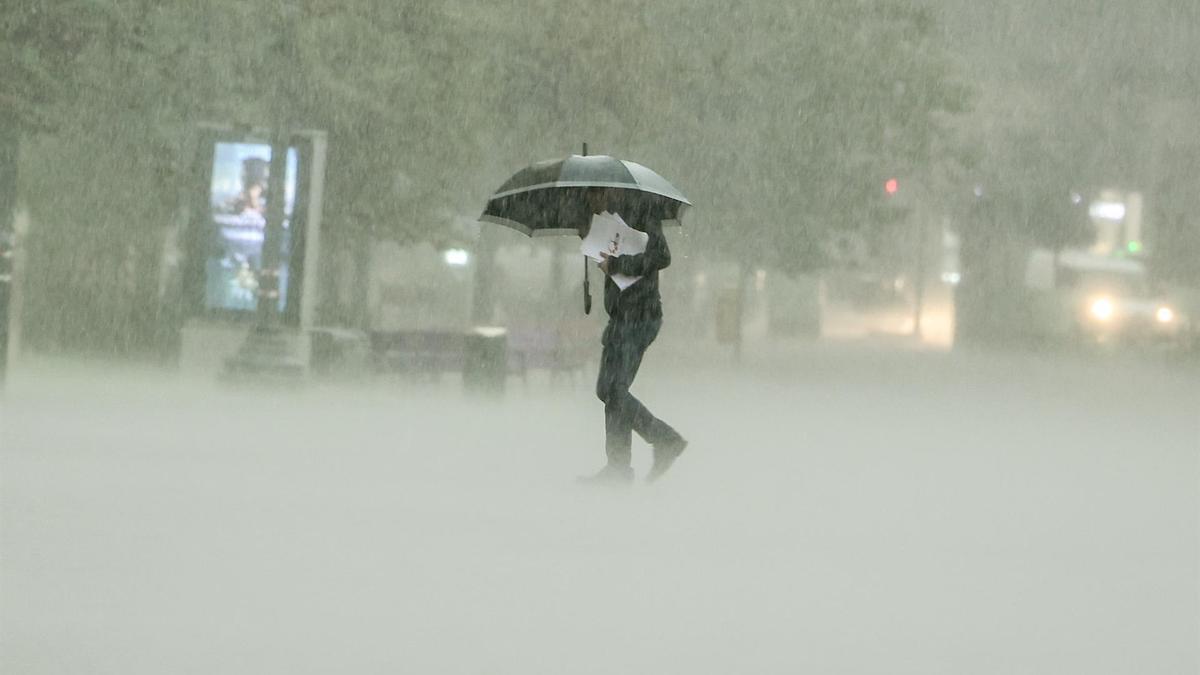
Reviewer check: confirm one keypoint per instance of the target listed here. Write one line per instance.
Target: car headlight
(1165, 314)
(1102, 309)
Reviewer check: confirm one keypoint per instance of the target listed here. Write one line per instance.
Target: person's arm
(657, 255)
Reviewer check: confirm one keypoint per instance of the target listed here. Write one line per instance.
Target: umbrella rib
(525, 229)
(561, 184)
(505, 222)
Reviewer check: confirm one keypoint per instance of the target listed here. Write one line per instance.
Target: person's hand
(604, 263)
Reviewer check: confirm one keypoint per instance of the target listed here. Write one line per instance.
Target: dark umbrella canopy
(548, 197)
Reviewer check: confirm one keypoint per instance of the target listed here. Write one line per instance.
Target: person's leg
(618, 366)
(667, 442)
(651, 429)
(624, 347)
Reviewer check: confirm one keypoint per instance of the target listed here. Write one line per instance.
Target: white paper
(611, 235)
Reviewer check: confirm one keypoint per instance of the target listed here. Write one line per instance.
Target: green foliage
(802, 111)
(781, 120)
(39, 44)
(1098, 106)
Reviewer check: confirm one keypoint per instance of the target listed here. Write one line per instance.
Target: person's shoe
(611, 475)
(665, 455)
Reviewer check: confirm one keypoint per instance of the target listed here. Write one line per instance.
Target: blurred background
(928, 170)
(932, 329)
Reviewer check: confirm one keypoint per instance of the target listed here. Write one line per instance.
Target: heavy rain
(610, 337)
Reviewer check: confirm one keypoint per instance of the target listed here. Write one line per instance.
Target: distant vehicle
(1093, 299)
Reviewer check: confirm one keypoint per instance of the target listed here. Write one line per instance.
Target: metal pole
(587, 288)
(267, 350)
(919, 303)
(268, 279)
(587, 280)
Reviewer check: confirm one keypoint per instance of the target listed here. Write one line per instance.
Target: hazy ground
(839, 511)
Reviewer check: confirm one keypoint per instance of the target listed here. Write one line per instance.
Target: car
(1093, 299)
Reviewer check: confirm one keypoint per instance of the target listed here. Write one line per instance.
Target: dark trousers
(624, 344)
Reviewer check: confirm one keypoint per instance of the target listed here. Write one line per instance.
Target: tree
(783, 134)
(43, 58)
(801, 112)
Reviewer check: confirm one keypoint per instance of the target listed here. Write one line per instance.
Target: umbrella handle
(587, 288)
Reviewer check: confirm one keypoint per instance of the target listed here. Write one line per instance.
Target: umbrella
(547, 198)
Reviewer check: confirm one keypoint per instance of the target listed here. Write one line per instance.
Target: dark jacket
(641, 301)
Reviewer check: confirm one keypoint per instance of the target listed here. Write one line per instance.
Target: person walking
(635, 317)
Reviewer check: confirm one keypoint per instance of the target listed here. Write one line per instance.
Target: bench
(423, 353)
(552, 350)
(429, 354)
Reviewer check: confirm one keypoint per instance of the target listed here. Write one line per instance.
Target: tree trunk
(360, 313)
(9, 147)
(483, 298)
(742, 290)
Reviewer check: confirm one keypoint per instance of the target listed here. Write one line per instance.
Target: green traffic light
(1134, 247)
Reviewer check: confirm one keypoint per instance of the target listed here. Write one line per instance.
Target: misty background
(918, 445)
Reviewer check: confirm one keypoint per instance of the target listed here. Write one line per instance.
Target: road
(839, 511)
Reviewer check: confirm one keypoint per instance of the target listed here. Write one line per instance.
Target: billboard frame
(302, 293)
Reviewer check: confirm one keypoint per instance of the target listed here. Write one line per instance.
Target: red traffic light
(892, 186)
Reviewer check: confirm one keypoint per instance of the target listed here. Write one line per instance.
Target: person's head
(599, 199)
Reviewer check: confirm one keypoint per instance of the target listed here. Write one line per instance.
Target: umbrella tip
(585, 148)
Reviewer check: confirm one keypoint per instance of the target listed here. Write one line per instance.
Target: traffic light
(891, 186)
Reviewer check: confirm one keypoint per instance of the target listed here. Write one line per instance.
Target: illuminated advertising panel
(238, 198)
